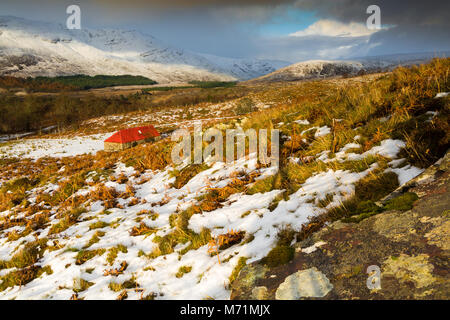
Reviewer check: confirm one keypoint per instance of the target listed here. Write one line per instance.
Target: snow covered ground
(64, 147)
(208, 277)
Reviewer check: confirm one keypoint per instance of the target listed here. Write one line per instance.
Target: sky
(288, 30)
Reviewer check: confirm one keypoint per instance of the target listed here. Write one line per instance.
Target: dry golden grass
(392, 106)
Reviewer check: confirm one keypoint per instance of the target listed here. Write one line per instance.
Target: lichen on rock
(310, 283)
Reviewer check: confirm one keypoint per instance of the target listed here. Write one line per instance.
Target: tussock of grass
(23, 276)
(98, 225)
(27, 256)
(186, 174)
(142, 230)
(181, 235)
(114, 251)
(245, 105)
(24, 261)
(68, 219)
(182, 271)
(37, 221)
(95, 238)
(376, 186)
(367, 191)
(262, 186)
(128, 284)
(85, 255)
(14, 192)
(80, 285)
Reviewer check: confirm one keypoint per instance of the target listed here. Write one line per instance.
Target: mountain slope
(312, 69)
(134, 225)
(322, 68)
(29, 48)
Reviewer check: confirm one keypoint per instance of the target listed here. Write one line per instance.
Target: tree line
(70, 83)
(31, 113)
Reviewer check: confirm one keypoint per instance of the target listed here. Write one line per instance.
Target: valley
(77, 222)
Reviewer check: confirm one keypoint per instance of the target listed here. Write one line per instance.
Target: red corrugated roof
(133, 134)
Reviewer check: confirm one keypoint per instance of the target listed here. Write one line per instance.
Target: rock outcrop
(410, 249)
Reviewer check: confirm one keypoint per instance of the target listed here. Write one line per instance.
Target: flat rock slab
(310, 283)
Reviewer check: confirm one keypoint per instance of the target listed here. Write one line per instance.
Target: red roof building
(131, 137)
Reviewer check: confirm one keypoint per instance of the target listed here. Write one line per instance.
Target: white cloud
(337, 53)
(331, 28)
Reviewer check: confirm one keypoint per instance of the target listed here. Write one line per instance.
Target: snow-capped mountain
(30, 48)
(314, 69)
(311, 70)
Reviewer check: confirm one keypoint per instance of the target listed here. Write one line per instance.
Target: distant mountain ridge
(315, 69)
(30, 48)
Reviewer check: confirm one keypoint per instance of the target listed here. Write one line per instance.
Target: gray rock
(309, 283)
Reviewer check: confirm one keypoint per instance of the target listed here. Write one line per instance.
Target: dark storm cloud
(193, 3)
(230, 27)
(398, 12)
(393, 11)
(416, 25)
(137, 5)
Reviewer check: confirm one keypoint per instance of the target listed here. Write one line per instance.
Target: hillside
(409, 241)
(31, 48)
(316, 69)
(80, 223)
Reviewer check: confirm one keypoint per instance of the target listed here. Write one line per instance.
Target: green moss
(402, 203)
(354, 210)
(364, 210)
(279, 255)
(360, 217)
(242, 262)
